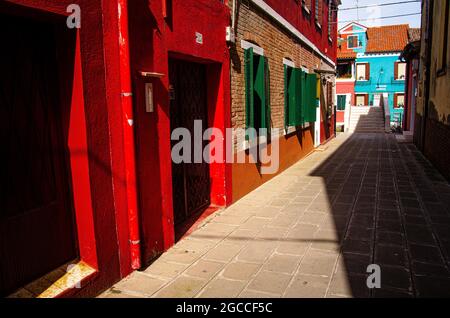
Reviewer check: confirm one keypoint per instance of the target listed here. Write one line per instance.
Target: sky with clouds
(371, 16)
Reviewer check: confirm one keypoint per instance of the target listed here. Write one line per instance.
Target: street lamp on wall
(379, 77)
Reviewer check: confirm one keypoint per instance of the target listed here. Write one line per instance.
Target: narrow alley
(313, 230)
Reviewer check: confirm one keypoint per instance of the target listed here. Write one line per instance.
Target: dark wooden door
(36, 209)
(191, 181)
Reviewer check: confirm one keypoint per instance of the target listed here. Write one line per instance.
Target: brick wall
(256, 27)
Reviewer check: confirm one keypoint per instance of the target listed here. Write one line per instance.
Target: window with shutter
(331, 10)
(399, 100)
(361, 71)
(293, 96)
(341, 101)
(400, 71)
(352, 41)
(260, 93)
(257, 106)
(361, 99)
(319, 11)
(310, 100)
(249, 90)
(300, 97)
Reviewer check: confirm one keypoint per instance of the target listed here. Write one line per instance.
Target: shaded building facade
(432, 120)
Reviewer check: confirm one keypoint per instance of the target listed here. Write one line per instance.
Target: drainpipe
(129, 143)
(233, 18)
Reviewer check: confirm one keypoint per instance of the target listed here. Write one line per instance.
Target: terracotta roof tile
(389, 38)
(347, 54)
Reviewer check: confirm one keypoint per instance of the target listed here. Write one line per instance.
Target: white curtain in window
(401, 73)
(360, 100)
(361, 71)
(400, 100)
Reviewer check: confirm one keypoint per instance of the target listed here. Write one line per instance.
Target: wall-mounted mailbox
(149, 106)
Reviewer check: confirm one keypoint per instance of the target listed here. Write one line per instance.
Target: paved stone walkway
(313, 230)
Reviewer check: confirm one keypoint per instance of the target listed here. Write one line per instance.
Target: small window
(352, 41)
(318, 11)
(362, 71)
(344, 70)
(362, 99)
(341, 102)
(399, 100)
(400, 71)
(331, 20)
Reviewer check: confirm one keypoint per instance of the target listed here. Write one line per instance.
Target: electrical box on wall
(230, 37)
(149, 106)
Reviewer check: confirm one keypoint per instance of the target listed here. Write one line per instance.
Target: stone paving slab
(313, 230)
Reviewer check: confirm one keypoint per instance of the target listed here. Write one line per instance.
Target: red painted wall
(95, 110)
(340, 116)
(345, 88)
(153, 39)
(293, 12)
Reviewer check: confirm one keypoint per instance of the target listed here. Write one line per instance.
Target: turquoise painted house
(371, 57)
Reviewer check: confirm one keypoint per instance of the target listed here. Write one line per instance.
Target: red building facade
(183, 41)
(116, 222)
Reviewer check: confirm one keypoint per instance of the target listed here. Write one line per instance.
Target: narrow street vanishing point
(225, 149)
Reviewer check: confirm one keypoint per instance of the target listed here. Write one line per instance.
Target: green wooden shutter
(292, 96)
(299, 89)
(341, 101)
(300, 97)
(260, 90)
(292, 102)
(312, 88)
(309, 93)
(249, 89)
(304, 98)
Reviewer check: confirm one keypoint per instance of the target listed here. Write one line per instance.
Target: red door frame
(79, 163)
